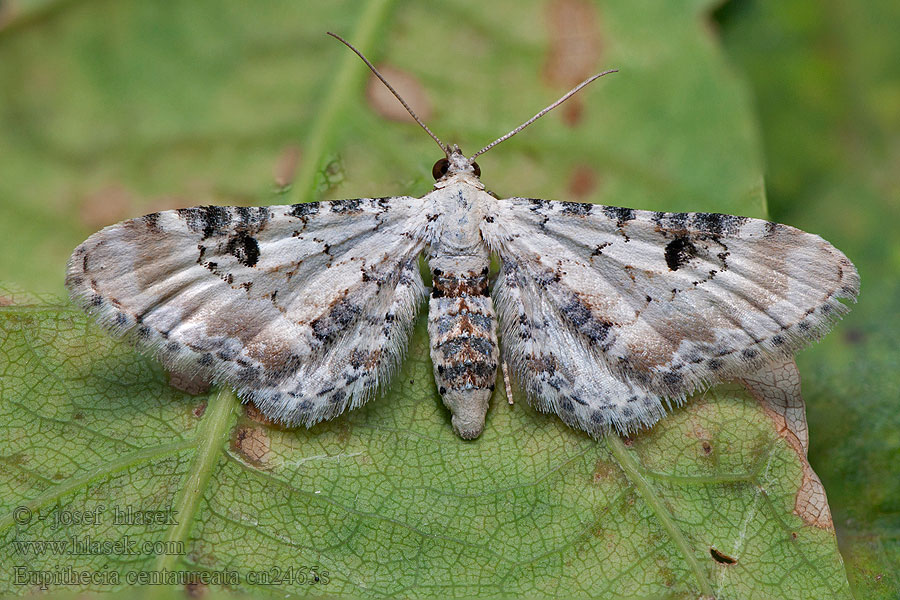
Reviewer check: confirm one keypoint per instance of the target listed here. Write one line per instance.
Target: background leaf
(827, 79)
(126, 107)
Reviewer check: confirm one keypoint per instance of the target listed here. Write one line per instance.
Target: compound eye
(477, 169)
(440, 168)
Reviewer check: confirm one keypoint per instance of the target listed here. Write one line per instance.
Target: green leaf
(139, 104)
(828, 107)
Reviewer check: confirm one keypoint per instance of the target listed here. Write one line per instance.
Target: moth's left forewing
(672, 301)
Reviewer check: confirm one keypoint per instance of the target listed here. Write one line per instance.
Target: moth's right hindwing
(304, 309)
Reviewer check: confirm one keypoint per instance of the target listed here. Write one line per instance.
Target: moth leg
(506, 385)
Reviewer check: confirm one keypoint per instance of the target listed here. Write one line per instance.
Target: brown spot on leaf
(188, 383)
(604, 471)
(574, 49)
(286, 165)
(252, 412)
(252, 443)
(410, 89)
(105, 206)
(776, 386)
(199, 410)
(582, 182)
(707, 447)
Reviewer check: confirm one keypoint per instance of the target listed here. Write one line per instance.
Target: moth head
(455, 162)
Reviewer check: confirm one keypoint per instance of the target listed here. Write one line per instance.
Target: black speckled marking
(227, 353)
(576, 208)
(457, 284)
(460, 375)
(454, 346)
(248, 375)
(304, 210)
(537, 204)
(678, 252)
(252, 218)
(749, 354)
(580, 316)
(621, 215)
(672, 379)
(346, 206)
(207, 220)
(714, 364)
(777, 340)
(331, 325)
(599, 249)
(671, 220)
(243, 247)
(717, 223)
(151, 221)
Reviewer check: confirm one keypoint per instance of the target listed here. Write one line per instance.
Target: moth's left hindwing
(605, 310)
(304, 309)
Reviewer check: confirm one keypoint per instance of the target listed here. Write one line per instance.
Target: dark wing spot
(678, 252)
(244, 248)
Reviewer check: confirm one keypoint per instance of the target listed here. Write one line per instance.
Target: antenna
(542, 113)
(443, 146)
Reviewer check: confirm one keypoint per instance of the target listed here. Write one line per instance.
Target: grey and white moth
(606, 314)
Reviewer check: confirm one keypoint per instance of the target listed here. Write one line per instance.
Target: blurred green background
(114, 109)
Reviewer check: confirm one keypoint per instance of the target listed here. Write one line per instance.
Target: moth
(607, 315)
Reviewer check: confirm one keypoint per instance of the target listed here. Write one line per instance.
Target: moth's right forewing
(669, 302)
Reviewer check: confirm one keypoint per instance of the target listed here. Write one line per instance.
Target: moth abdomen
(463, 332)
